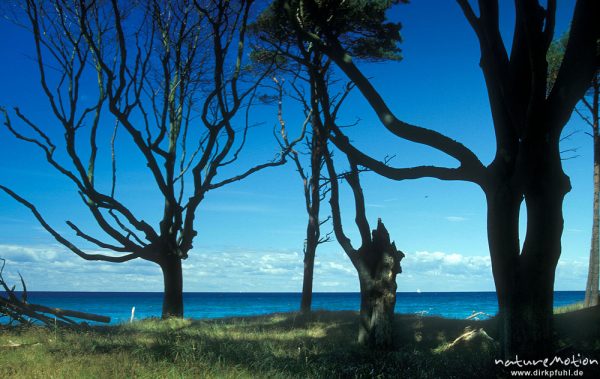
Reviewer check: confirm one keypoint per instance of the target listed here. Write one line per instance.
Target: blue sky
(251, 233)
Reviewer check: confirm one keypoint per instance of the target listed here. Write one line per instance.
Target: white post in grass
(132, 315)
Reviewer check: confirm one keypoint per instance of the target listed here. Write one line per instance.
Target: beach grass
(290, 345)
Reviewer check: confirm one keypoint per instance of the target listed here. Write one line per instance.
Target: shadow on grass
(320, 344)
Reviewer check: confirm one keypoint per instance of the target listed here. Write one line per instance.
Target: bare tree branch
(64, 241)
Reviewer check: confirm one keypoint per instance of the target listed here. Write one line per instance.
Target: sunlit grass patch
(569, 308)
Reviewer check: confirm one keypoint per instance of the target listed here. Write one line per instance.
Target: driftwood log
(15, 309)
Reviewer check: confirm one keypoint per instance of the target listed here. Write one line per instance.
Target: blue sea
(117, 305)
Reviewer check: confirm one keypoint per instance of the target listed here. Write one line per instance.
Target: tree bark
(377, 268)
(591, 288)
(377, 303)
(312, 194)
(524, 277)
(526, 319)
(503, 204)
(313, 228)
(173, 283)
(309, 264)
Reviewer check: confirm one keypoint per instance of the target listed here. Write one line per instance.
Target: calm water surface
(118, 305)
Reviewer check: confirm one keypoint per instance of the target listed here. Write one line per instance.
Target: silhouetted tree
(377, 261)
(315, 188)
(279, 38)
(528, 123)
(171, 74)
(292, 59)
(589, 114)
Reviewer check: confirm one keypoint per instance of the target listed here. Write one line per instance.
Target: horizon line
(265, 292)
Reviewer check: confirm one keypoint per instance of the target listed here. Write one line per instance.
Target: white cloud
(438, 271)
(17, 253)
(344, 267)
(53, 268)
(452, 263)
(571, 274)
(269, 269)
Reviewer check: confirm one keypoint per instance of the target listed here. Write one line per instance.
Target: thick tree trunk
(524, 277)
(173, 283)
(591, 288)
(526, 315)
(377, 270)
(377, 303)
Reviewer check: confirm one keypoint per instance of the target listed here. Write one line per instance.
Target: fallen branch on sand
(18, 310)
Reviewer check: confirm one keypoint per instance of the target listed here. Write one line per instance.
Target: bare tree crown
(172, 77)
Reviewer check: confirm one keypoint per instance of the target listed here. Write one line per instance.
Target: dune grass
(321, 345)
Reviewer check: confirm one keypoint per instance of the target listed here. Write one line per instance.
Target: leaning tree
(172, 77)
(528, 121)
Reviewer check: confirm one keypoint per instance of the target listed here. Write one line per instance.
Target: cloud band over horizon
(53, 268)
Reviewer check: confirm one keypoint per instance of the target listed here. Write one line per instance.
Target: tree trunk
(312, 195)
(309, 265)
(503, 205)
(591, 288)
(525, 278)
(173, 283)
(526, 315)
(377, 303)
(377, 269)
